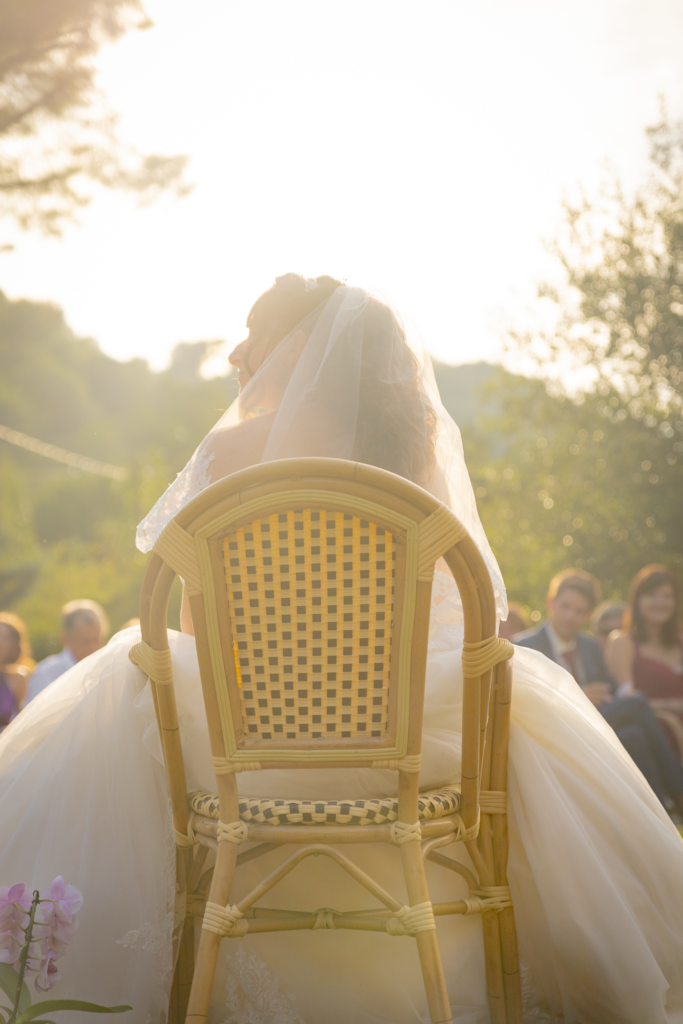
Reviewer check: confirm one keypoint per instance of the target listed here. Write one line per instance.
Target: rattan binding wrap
(177, 549)
(479, 657)
(438, 532)
(157, 665)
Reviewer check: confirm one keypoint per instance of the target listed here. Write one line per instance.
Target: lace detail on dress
(187, 485)
(156, 936)
(150, 936)
(253, 993)
(446, 621)
(534, 1013)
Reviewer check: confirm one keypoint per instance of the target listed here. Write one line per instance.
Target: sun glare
(424, 153)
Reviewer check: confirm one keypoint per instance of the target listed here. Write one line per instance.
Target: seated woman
(607, 617)
(647, 653)
(15, 666)
(595, 866)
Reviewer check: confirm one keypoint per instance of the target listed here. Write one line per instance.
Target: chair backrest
(310, 585)
(311, 595)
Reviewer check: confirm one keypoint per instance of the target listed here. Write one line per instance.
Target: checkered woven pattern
(310, 598)
(323, 812)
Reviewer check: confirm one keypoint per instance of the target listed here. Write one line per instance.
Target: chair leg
(511, 975)
(427, 943)
(209, 943)
(506, 955)
(182, 976)
(495, 980)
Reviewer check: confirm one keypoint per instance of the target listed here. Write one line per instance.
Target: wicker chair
(309, 583)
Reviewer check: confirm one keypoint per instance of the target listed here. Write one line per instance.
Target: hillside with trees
(558, 483)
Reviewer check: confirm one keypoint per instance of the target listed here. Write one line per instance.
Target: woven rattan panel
(310, 598)
(326, 812)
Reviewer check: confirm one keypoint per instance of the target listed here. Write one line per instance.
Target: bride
(595, 865)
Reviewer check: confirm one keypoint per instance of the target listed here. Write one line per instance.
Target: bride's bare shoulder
(238, 446)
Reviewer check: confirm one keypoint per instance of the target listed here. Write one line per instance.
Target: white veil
(345, 371)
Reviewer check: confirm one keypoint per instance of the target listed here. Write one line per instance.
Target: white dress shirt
(560, 648)
(47, 671)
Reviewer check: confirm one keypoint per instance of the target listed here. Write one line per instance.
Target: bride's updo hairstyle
(395, 424)
(287, 303)
(338, 377)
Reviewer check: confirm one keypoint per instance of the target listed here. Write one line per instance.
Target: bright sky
(416, 146)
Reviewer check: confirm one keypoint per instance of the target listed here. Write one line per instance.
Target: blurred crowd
(626, 656)
(84, 630)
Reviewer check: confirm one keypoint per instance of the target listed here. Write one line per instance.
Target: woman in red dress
(647, 654)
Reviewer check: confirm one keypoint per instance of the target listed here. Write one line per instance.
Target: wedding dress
(595, 866)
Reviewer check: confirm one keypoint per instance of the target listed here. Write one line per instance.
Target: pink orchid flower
(56, 941)
(56, 926)
(13, 900)
(15, 904)
(67, 900)
(53, 930)
(49, 975)
(10, 949)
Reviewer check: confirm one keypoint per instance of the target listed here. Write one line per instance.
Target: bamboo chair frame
(423, 530)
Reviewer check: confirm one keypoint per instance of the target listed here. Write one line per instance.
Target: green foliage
(558, 483)
(19, 560)
(571, 484)
(54, 1005)
(65, 534)
(470, 392)
(8, 984)
(619, 316)
(28, 1012)
(598, 484)
(55, 130)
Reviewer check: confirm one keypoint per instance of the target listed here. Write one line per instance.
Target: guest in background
(648, 654)
(516, 622)
(572, 596)
(15, 666)
(84, 629)
(607, 617)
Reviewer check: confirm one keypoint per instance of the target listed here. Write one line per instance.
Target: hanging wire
(50, 451)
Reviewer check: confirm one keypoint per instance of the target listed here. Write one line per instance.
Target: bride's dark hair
(396, 424)
(287, 303)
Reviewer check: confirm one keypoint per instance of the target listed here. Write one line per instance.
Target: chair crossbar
(267, 919)
(317, 851)
(205, 828)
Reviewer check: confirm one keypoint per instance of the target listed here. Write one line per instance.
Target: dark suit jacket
(589, 649)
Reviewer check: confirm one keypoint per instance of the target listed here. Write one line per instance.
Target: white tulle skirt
(596, 867)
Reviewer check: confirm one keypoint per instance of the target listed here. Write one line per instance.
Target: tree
(561, 484)
(55, 129)
(593, 475)
(65, 533)
(619, 315)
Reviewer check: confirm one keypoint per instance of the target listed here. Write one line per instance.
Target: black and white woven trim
(378, 811)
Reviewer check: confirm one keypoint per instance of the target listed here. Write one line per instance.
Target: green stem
(23, 956)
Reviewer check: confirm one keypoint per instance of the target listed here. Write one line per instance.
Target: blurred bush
(65, 534)
(559, 482)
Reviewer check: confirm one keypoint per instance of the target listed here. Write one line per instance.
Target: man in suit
(84, 630)
(572, 596)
